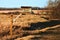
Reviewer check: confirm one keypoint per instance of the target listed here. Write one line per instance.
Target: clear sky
(19, 3)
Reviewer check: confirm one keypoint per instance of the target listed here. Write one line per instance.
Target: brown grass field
(29, 27)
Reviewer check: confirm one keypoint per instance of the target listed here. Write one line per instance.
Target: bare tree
(55, 6)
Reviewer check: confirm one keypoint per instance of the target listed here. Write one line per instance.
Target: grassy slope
(25, 21)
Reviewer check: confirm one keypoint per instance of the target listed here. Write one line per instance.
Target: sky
(19, 3)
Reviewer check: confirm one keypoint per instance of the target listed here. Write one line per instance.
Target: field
(29, 27)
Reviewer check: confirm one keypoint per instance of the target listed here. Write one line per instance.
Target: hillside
(29, 27)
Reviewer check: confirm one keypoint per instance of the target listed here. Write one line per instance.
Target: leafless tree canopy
(55, 6)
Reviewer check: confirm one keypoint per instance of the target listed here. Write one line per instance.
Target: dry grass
(25, 21)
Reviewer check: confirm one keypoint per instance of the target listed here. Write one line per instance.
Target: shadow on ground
(41, 25)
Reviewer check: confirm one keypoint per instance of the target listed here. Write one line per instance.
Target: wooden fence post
(11, 25)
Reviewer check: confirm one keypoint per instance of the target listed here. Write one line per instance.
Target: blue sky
(19, 3)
